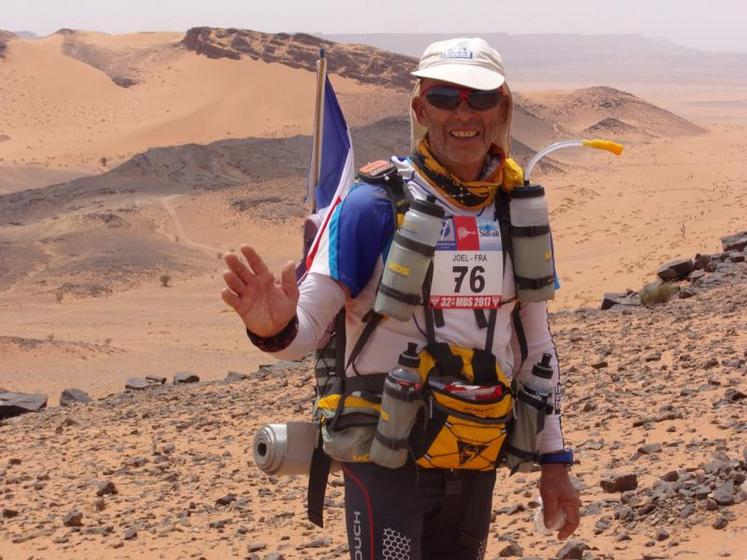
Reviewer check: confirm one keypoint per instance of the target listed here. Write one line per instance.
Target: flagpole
(316, 147)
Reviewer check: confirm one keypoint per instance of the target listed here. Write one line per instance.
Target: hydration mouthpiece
(543, 368)
(410, 358)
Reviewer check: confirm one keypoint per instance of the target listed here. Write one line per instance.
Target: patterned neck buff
(467, 195)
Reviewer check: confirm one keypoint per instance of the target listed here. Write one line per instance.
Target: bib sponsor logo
(446, 231)
(467, 237)
(488, 230)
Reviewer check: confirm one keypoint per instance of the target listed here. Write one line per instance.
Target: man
(461, 113)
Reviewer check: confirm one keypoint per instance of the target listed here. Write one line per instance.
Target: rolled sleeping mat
(285, 449)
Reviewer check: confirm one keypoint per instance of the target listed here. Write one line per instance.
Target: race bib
(468, 265)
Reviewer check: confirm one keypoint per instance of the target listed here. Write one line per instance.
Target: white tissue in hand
(539, 520)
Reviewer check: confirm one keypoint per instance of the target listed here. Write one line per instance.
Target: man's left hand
(558, 494)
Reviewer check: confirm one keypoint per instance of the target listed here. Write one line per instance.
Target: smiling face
(459, 138)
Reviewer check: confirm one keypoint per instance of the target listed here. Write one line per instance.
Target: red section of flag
(465, 230)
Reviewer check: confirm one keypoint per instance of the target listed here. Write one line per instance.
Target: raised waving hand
(264, 301)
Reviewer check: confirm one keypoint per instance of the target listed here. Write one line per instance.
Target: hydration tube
(597, 144)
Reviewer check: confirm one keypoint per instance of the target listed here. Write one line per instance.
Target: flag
(336, 169)
(336, 173)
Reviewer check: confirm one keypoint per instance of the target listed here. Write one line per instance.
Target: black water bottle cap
(528, 191)
(543, 368)
(410, 358)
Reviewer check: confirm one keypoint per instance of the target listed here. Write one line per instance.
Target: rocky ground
(654, 406)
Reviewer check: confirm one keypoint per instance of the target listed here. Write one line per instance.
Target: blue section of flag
(335, 148)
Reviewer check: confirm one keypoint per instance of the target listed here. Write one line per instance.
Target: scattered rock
(720, 522)
(649, 448)
(235, 376)
(137, 383)
(700, 262)
(602, 524)
(130, 534)
(226, 500)
(572, 550)
(677, 269)
(186, 377)
(219, 523)
(661, 535)
(724, 494)
(73, 519)
(106, 488)
(734, 242)
(71, 397)
(733, 395)
(15, 404)
(629, 298)
(671, 476)
(256, 547)
(510, 551)
(686, 293)
(8, 513)
(619, 482)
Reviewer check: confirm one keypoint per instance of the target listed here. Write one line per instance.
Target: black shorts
(417, 514)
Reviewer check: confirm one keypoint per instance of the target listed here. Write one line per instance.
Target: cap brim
(469, 76)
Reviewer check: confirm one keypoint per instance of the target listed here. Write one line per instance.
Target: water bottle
(400, 403)
(542, 385)
(541, 381)
(534, 267)
(530, 407)
(409, 257)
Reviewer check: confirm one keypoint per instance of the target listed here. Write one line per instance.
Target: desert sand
(71, 318)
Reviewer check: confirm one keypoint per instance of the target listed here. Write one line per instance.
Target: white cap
(469, 62)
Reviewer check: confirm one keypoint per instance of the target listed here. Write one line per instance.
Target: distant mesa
(26, 34)
(359, 62)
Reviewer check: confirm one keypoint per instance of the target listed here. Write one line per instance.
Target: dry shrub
(661, 293)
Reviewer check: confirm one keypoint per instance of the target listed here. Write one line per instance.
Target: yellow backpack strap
(513, 174)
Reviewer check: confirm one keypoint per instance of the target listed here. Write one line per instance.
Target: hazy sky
(712, 24)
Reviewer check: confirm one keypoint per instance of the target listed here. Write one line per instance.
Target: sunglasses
(449, 97)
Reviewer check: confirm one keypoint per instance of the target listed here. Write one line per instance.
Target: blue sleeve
(360, 230)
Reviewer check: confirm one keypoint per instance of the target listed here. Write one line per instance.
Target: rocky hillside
(5, 37)
(654, 401)
(610, 127)
(587, 107)
(363, 63)
(123, 65)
